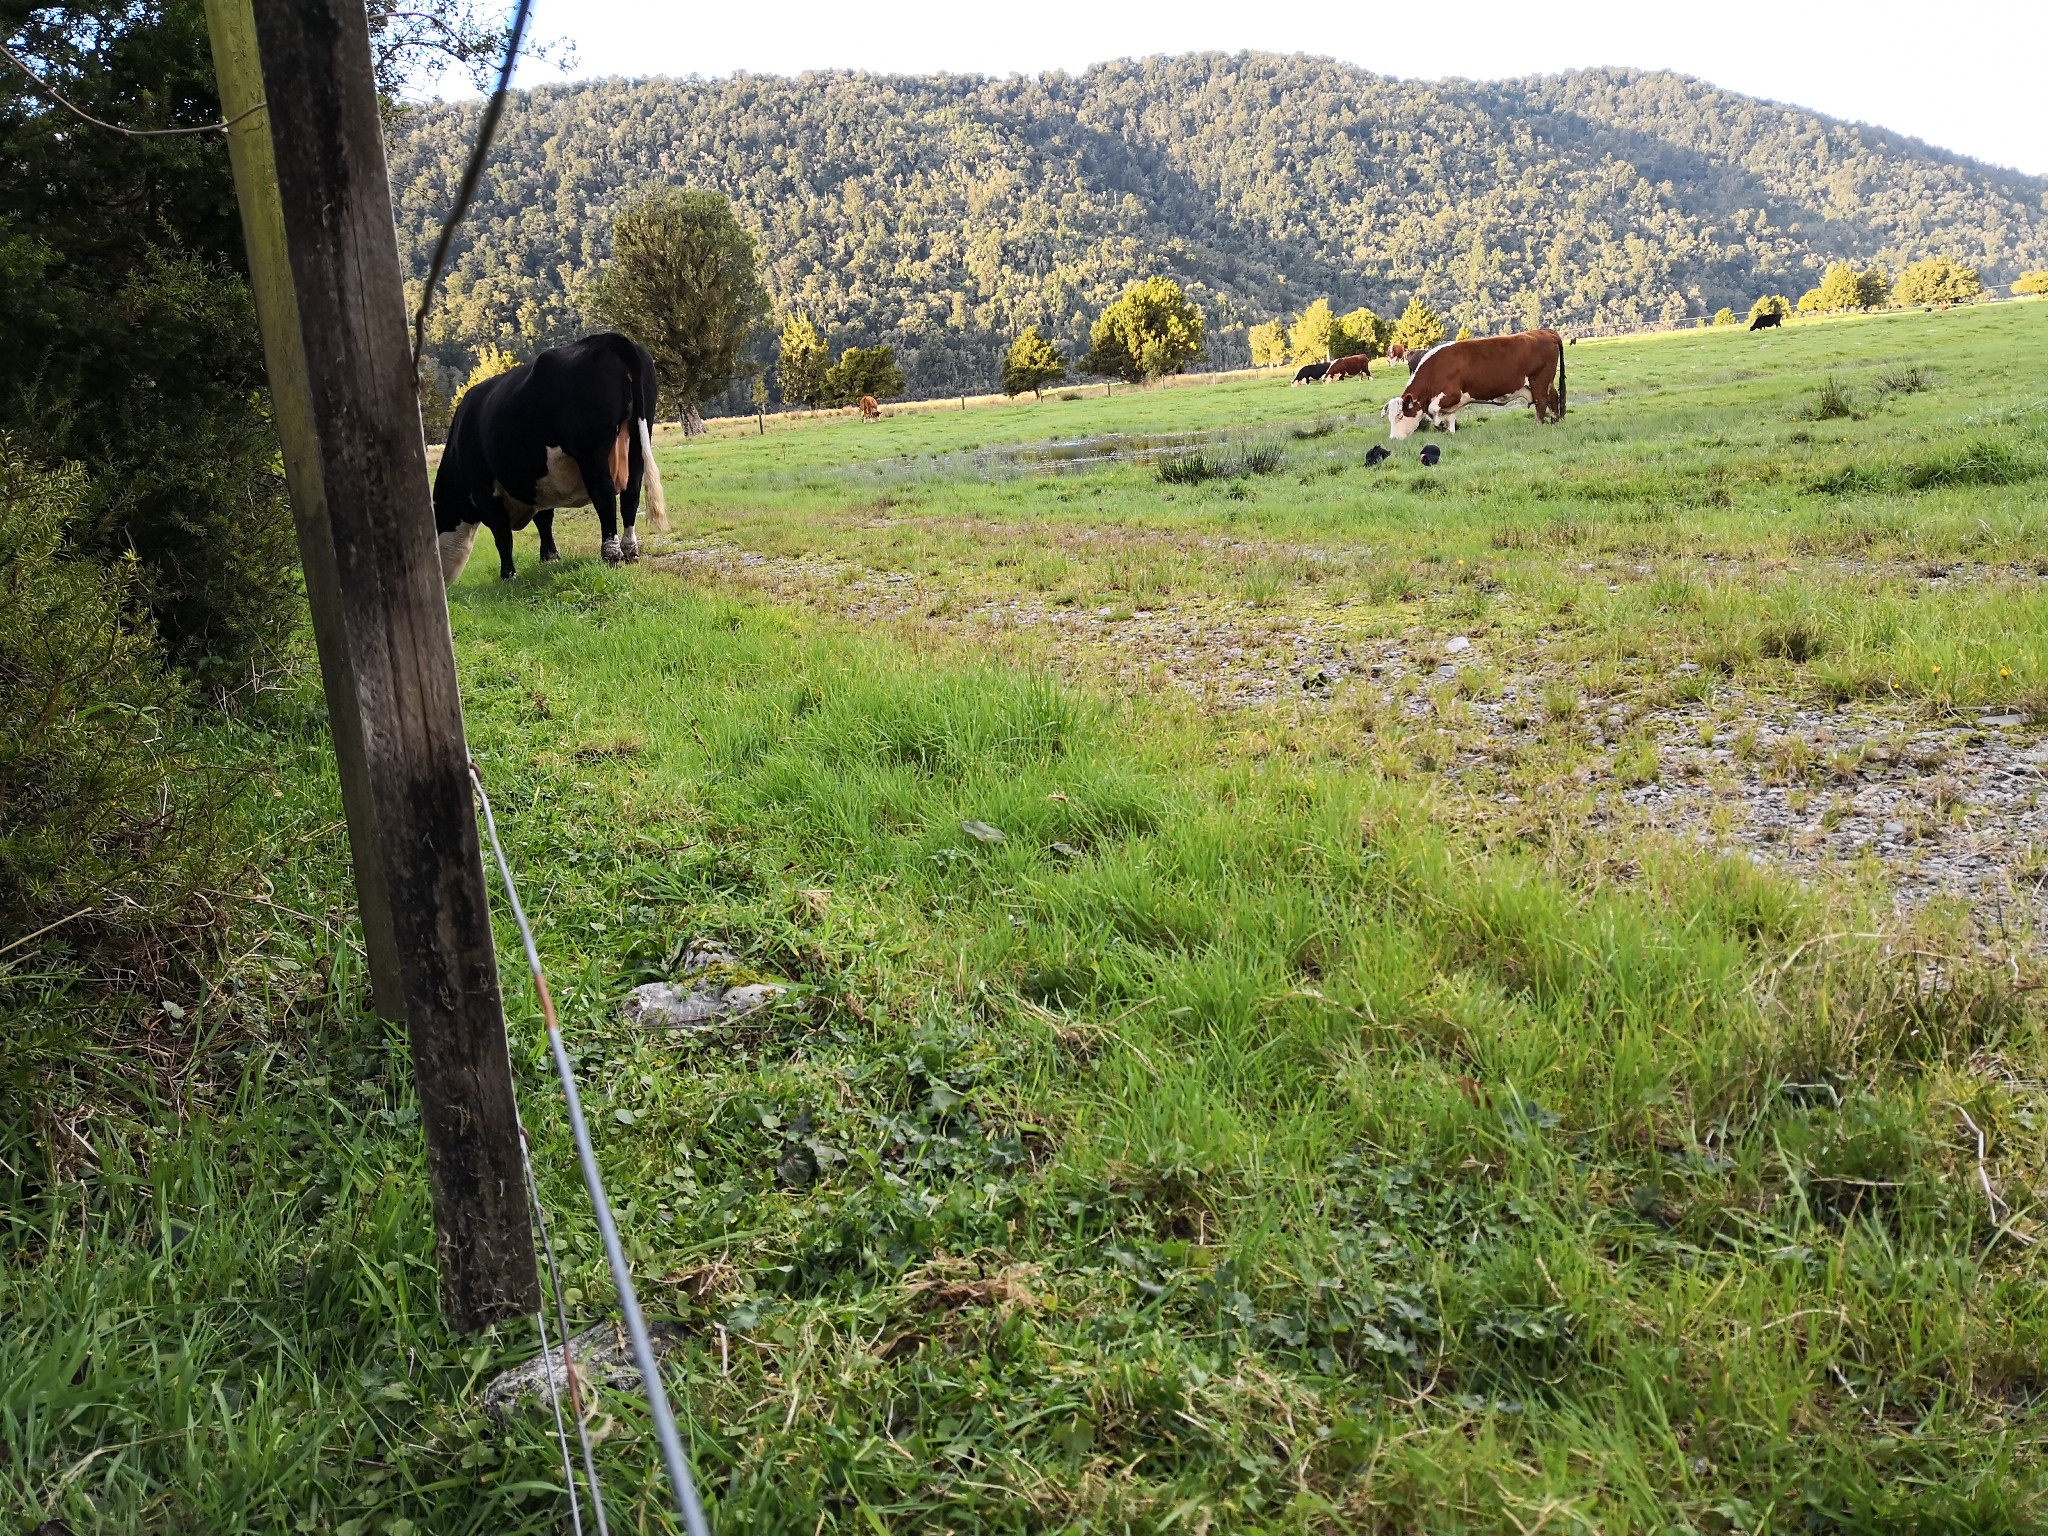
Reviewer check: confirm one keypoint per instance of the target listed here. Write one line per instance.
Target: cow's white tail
(455, 546)
(657, 504)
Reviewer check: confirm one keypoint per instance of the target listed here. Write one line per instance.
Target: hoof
(507, 574)
(550, 554)
(610, 550)
(629, 545)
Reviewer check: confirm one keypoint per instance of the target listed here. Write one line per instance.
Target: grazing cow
(1357, 366)
(1495, 369)
(1309, 373)
(870, 410)
(571, 428)
(1377, 455)
(1767, 319)
(1430, 455)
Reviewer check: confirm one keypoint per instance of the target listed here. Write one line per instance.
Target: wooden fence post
(323, 260)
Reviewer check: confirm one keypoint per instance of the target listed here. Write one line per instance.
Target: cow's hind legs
(544, 525)
(607, 502)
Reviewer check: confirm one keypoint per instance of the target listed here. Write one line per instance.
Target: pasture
(1320, 998)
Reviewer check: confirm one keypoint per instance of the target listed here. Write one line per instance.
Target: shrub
(1151, 331)
(1809, 301)
(1311, 338)
(1724, 316)
(1419, 327)
(802, 359)
(490, 362)
(2031, 282)
(1842, 287)
(1938, 280)
(863, 371)
(1832, 404)
(101, 831)
(1769, 304)
(1032, 363)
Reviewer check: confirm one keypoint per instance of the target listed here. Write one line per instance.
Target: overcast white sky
(1968, 77)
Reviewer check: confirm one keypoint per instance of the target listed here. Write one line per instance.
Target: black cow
(1309, 373)
(1767, 319)
(571, 428)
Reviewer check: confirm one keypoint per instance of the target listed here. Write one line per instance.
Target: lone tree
(2031, 282)
(1938, 280)
(1153, 330)
(1360, 331)
(802, 360)
(863, 371)
(1419, 327)
(1032, 364)
(1724, 316)
(1770, 304)
(684, 281)
(1843, 287)
(1313, 337)
(1268, 343)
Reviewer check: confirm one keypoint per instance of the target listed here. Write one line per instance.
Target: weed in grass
(1831, 404)
(1905, 381)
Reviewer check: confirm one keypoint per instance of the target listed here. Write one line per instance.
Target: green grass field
(1477, 1021)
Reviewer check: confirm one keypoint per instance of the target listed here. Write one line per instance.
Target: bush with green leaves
(1724, 316)
(100, 826)
(1360, 332)
(1770, 304)
(1152, 330)
(1419, 327)
(684, 280)
(802, 361)
(863, 371)
(1310, 339)
(1031, 364)
(1268, 343)
(1842, 288)
(1938, 280)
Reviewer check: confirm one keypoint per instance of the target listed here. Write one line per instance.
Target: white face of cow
(1400, 426)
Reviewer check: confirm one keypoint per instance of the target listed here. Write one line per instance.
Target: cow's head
(1404, 415)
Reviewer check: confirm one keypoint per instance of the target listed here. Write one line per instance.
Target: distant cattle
(1412, 356)
(1377, 455)
(572, 428)
(1494, 369)
(1358, 366)
(869, 409)
(1768, 319)
(1309, 373)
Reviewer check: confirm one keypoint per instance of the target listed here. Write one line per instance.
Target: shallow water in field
(1080, 454)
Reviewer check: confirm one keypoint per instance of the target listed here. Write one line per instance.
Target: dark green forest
(944, 214)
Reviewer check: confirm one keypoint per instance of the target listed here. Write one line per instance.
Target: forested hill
(943, 213)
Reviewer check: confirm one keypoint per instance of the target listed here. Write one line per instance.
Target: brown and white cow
(1494, 369)
(870, 409)
(1357, 366)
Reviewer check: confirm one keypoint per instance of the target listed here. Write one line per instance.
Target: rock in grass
(700, 1005)
(982, 832)
(603, 1356)
(1066, 850)
(1456, 644)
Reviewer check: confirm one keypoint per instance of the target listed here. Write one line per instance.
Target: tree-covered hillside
(944, 214)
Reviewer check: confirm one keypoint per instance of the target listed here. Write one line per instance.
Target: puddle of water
(1079, 454)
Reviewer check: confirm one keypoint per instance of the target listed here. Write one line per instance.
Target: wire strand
(547, 1243)
(486, 131)
(680, 1481)
(57, 96)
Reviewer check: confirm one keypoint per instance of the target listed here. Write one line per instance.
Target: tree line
(943, 217)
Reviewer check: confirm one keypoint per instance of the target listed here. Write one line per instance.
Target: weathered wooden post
(323, 260)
